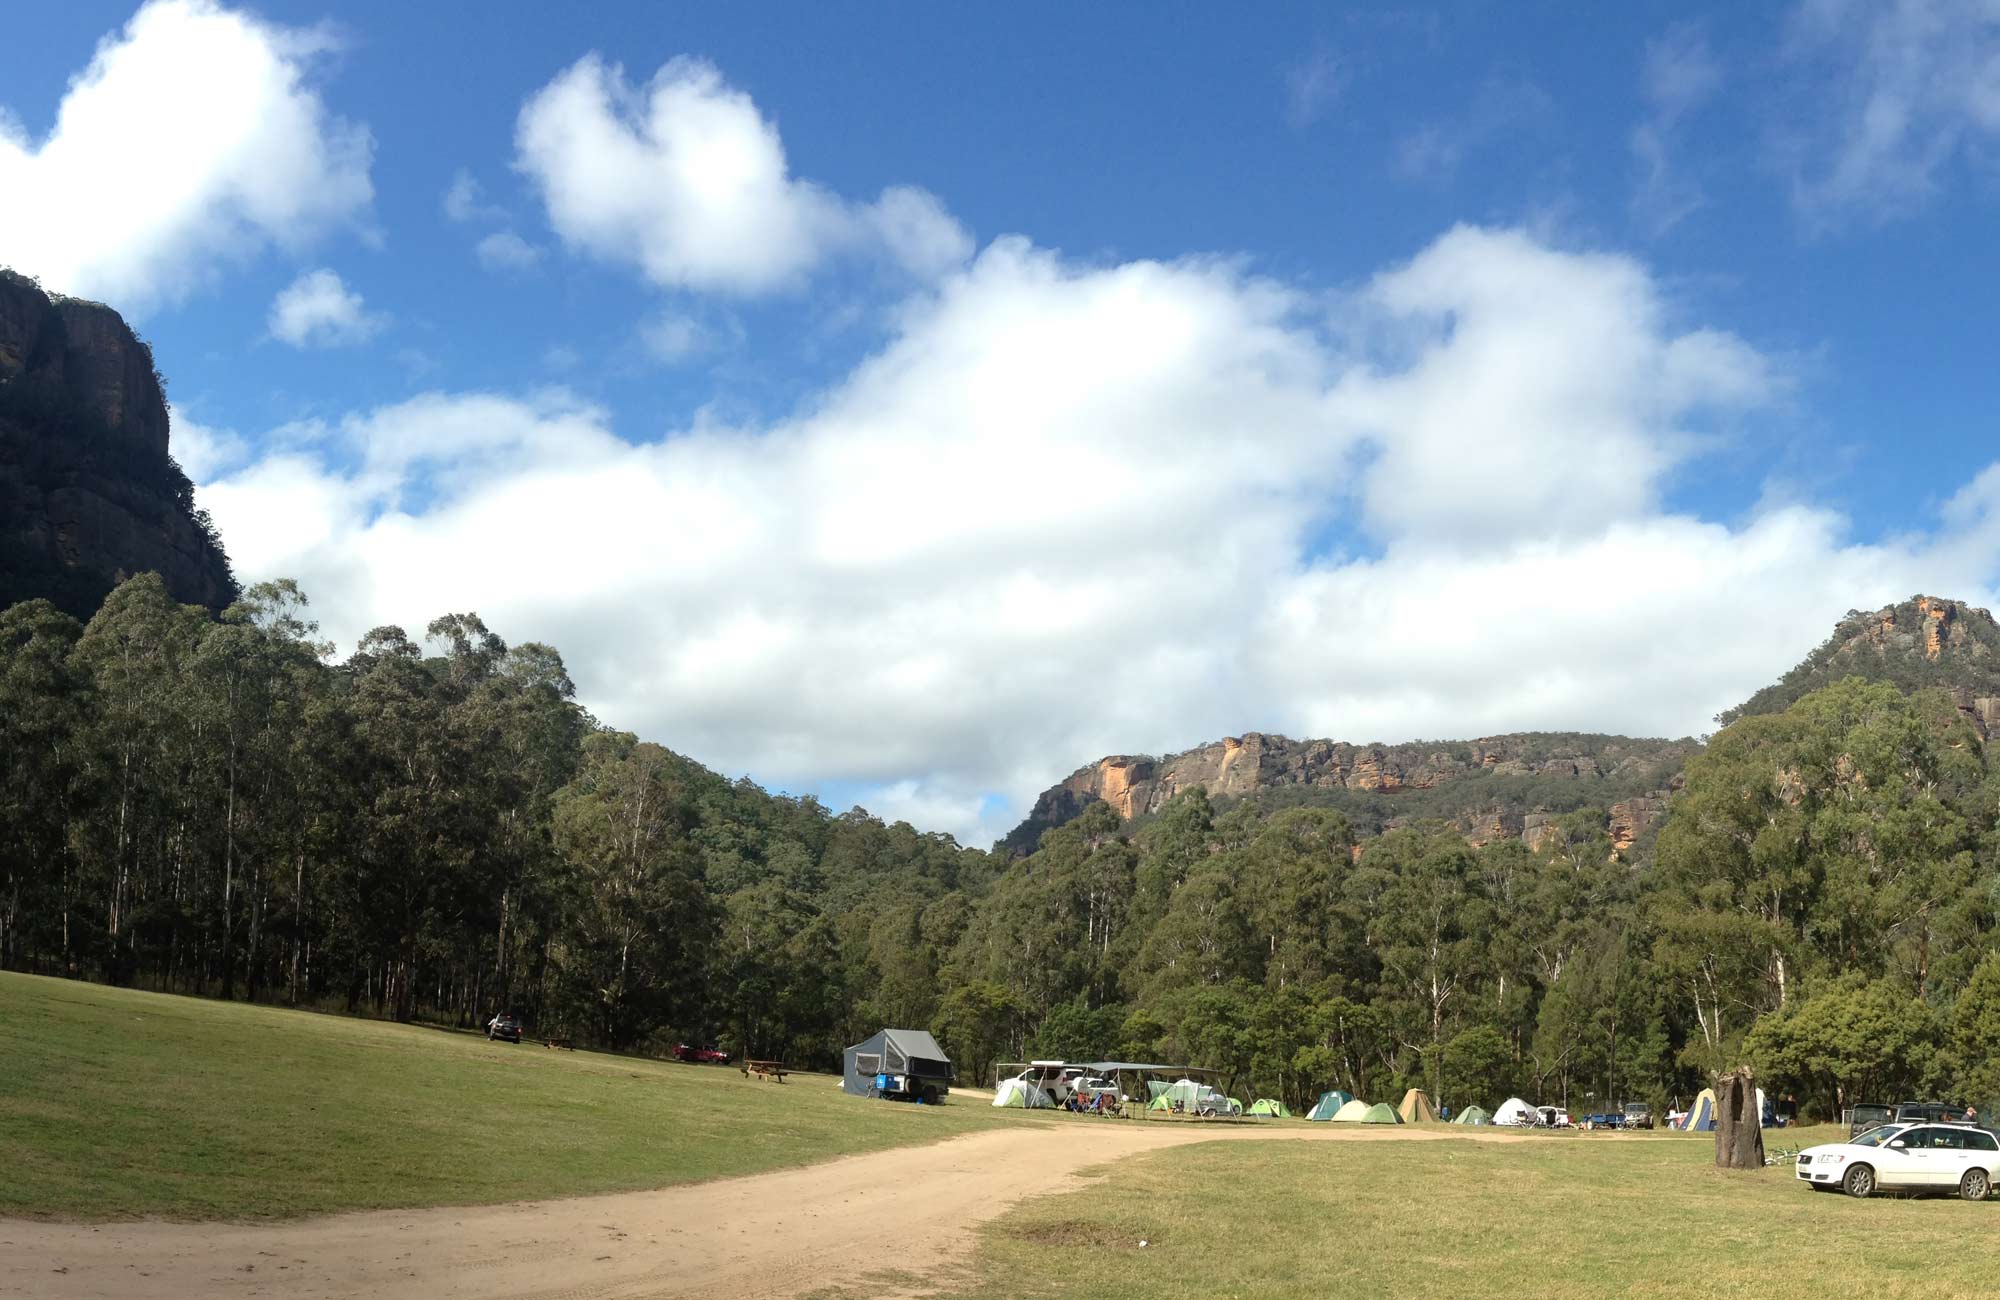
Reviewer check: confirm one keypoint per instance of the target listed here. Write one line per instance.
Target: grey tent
(904, 1064)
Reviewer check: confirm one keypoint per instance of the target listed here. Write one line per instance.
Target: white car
(1905, 1157)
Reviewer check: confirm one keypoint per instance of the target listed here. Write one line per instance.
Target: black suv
(1868, 1115)
(1928, 1112)
(505, 1025)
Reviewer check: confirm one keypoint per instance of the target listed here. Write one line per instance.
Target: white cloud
(192, 140)
(1679, 75)
(318, 311)
(674, 336)
(1070, 511)
(503, 250)
(465, 200)
(1312, 85)
(1895, 92)
(681, 334)
(204, 452)
(1433, 152)
(685, 179)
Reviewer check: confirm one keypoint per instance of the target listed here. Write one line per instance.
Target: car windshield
(1876, 1136)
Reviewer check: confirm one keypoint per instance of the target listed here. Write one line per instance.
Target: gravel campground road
(907, 1212)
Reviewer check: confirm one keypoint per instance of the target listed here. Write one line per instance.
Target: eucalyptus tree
(44, 702)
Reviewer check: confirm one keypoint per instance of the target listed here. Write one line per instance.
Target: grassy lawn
(1583, 1216)
(116, 1104)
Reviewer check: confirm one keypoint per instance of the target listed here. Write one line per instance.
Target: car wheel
(1859, 1182)
(1974, 1186)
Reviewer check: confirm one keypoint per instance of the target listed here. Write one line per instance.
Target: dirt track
(909, 1211)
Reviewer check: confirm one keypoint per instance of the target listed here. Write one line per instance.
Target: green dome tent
(1381, 1113)
(1472, 1115)
(1270, 1106)
(1355, 1111)
(1329, 1104)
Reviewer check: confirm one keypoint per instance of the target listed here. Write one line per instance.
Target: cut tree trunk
(1739, 1130)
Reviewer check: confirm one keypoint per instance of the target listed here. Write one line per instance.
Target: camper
(899, 1064)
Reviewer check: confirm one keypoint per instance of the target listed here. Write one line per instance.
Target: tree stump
(1739, 1123)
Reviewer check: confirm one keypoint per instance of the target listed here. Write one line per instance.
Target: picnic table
(775, 1071)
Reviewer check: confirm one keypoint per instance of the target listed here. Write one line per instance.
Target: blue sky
(911, 407)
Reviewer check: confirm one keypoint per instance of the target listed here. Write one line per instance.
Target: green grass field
(1560, 1217)
(116, 1104)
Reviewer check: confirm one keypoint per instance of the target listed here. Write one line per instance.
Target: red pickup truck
(700, 1055)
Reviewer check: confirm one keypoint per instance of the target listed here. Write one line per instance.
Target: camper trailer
(899, 1064)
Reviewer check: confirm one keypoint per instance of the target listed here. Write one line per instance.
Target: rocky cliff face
(1518, 786)
(89, 494)
(1925, 641)
(1255, 763)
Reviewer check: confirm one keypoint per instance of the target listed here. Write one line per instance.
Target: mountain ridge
(1925, 641)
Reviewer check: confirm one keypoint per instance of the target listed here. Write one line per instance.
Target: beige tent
(1417, 1109)
(1354, 1112)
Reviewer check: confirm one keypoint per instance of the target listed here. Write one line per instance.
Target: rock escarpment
(89, 493)
(1498, 774)
(1925, 641)
(1519, 786)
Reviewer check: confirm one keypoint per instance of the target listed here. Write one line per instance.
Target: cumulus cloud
(1072, 510)
(203, 451)
(1898, 90)
(193, 139)
(685, 179)
(317, 310)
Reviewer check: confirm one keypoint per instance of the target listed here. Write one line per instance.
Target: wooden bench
(567, 1044)
(775, 1071)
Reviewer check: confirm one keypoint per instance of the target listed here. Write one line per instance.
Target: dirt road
(909, 1211)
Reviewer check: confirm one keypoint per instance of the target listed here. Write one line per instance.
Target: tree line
(434, 829)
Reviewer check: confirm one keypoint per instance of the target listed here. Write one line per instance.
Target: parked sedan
(504, 1027)
(1905, 1157)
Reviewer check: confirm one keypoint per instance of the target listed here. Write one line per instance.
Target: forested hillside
(434, 829)
(428, 830)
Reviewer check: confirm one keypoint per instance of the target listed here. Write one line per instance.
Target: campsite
(820, 651)
(686, 1178)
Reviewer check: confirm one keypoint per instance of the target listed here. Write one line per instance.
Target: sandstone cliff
(1924, 641)
(1518, 786)
(1495, 787)
(89, 494)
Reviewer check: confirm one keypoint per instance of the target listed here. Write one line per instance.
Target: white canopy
(1515, 1111)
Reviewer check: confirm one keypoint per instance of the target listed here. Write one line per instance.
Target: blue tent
(1329, 1103)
